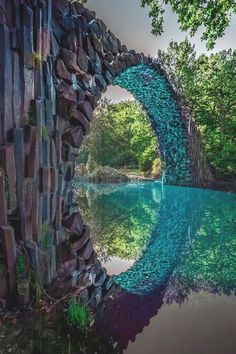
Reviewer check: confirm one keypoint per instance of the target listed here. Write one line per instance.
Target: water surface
(173, 252)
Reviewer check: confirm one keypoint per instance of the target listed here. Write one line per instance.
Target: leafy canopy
(213, 15)
(209, 87)
(121, 135)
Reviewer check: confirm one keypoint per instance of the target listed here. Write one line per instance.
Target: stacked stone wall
(56, 60)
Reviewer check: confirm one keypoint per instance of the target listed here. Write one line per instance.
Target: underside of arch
(154, 92)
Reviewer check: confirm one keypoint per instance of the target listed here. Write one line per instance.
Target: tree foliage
(209, 87)
(213, 15)
(121, 135)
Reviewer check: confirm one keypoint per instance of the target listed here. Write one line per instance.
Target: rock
(66, 91)
(86, 251)
(7, 159)
(80, 93)
(3, 207)
(119, 45)
(94, 28)
(95, 65)
(45, 180)
(100, 277)
(105, 44)
(109, 282)
(97, 45)
(70, 60)
(86, 109)
(53, 180)
(67, 23)
(27, 34)
(7, 236)
(79, 8)
(124, 48)
(110, 67)
(31, 143)
(27, 208)
(111, 293)
(78, 118)
(96, 297)
(74, 223)
(108, 77)
(82, 59)
(62, 6)
(55, 49)
(112, 42)
(92, 261)
(74, 137)
(91, 99)
(89, 15)
(83, 295)
(80, 241)
(64, 253)
(79, 32)
(68, 268)
(62, 71)
(23, 292)
(3, 304)
(102, 26)
(109, 57)
(69, 41)
(89, 48)
(100, 82)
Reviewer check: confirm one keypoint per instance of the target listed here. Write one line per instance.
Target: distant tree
(213, 15)
(121, 135)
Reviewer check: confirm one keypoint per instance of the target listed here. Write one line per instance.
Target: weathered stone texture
(56, 61)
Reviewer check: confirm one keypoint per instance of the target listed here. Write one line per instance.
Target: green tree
(213, 15)
(208, 86)
(121, 135)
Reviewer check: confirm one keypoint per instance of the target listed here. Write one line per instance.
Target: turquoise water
(173, 253)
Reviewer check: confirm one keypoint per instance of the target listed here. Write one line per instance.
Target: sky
(132, 25)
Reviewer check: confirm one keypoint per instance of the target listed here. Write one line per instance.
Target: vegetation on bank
(208, 86)
(78, 315)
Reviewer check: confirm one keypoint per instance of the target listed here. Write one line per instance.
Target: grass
(77, 314)
(36, 287)
(31, 117)
(37, 60)
(20, 266)
(45, 132)
(47, 239)
(6, 186)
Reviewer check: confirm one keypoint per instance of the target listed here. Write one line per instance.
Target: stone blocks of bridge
(56, 60)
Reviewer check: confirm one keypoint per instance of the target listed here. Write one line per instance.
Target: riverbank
(107, 174)
(222, 185)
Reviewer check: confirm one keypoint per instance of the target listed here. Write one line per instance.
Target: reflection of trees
(121, 218)
(210, 261)
(195, 247)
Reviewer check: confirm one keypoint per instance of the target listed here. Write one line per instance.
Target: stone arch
(56, 61)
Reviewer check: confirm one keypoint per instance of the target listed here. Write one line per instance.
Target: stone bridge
(57, 59)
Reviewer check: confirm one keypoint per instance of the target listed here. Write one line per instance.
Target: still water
(173, 252)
